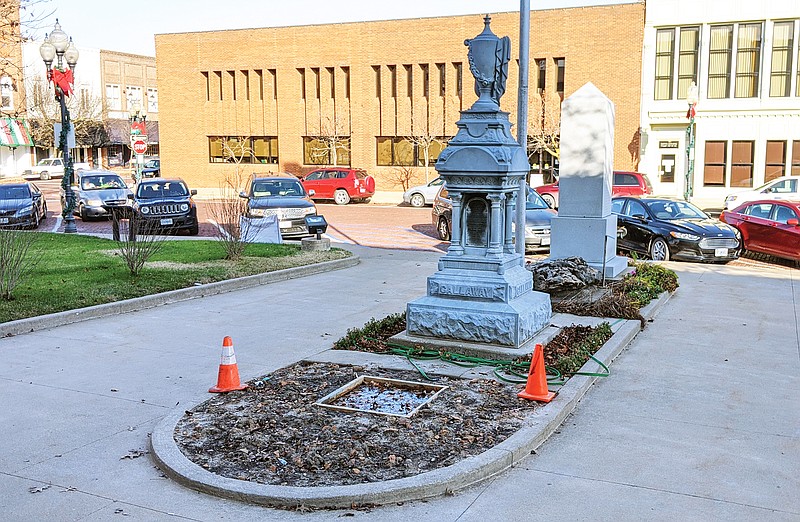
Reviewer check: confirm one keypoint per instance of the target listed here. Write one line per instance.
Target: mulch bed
(273, 433)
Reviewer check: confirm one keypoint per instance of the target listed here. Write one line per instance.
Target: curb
(44, 322)
(543, 422)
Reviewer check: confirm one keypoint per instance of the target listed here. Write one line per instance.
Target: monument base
(592, 238)
(505, 323)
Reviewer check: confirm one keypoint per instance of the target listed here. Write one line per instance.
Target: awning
(14, 132)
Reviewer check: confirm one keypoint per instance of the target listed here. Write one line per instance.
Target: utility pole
(522, 119)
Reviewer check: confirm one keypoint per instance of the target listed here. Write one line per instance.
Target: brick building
(367, 94)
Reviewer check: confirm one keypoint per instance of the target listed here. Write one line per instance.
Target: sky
(130, 26)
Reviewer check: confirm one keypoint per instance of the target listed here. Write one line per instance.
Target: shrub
(568, 351)
(372, 336)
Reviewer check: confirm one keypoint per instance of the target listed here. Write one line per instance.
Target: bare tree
(234, 229)
(544, 131)
(331, 140)
(427, 137)
(141, 241)
(18, 258)
(402, 175)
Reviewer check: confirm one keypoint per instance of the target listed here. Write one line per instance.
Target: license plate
(166, 221)
(285, 224)
(720, 252)
(3, 221)
(362, 190)
(545, 241)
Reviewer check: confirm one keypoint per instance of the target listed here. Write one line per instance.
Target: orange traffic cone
(228, 379)
(536, 387)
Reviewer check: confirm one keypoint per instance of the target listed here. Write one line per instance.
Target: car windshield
(535, 201)
(102, 182)
(161, 189)
(151, 164)
(15, 192)
(669, 210)
(277, 188)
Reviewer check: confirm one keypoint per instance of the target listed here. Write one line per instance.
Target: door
(756, 226)
(638, 233)
(784, 239)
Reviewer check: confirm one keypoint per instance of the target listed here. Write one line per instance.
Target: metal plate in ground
(382, 396)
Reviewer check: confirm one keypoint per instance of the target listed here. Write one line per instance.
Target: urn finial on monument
(488, 62)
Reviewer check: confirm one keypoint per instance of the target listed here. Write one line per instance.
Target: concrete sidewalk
(698, 421)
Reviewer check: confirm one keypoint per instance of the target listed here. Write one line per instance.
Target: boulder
(558, 275)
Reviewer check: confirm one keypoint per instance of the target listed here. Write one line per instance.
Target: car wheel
(44, 212)
(659, 250)
(82, 212)
(341, 197)
(550, 200)
(36, 221)
(44, 175)
(443, 229)
(417, 200)
(194, 230)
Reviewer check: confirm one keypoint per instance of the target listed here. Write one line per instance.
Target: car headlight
(184, 207)
(682, 235)
(94, 203)
(24, 211)
(730, 198)
(309, 210)
(144, 210)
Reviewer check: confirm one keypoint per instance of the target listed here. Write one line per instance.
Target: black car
(281, 195)
(22, 204)
(166, 204)
(665, 229)
(152, 168)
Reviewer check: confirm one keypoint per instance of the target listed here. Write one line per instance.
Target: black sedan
(280, 195)
(22, 204)
(665, 229)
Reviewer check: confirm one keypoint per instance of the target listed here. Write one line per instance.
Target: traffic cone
(536, 387)
(228, 379)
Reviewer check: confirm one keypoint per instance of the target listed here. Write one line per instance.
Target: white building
(743, 56)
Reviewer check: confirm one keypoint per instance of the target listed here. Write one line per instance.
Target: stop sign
(139, 146)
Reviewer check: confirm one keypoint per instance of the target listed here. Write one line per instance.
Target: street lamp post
(691, 99)
(137, 115)
(59, 45)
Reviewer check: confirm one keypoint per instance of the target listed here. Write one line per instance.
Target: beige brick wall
(126, 70)
(600, 44)
(11, 53)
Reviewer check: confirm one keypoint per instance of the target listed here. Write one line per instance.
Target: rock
(558, 275)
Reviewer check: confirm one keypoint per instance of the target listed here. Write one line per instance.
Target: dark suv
(166, 204)
(339, 184)
(279, 195)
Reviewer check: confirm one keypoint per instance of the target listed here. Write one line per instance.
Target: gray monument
(481, 293)
(585, 226)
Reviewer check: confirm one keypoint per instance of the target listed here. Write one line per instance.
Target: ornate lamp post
(59, 45)
(691, 99)
(137, 115)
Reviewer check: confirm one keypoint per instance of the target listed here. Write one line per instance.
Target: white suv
(52, 167)
(785, 187)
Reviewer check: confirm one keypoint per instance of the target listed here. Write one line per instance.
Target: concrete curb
(44, 322)
(542, 423)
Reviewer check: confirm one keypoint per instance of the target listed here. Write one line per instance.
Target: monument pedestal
(592, 238)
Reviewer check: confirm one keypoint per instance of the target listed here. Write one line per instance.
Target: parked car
(280, 195)
(664, 229)
(166, 204)
(624, 184)
(538, 215)
(339, 184)
(785, 187)
(422, 195)
(96, 192)
(152, 168)
(768, 226)
(21, 204)
(52, 168)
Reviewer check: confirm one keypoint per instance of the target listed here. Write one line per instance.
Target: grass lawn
(76, 271)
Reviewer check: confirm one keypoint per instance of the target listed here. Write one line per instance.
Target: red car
(768, 226)
(339, 184)
(625, 184)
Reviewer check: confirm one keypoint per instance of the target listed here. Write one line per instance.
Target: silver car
(422, 195)
(96, 192)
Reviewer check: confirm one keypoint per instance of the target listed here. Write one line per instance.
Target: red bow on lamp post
(64, 80)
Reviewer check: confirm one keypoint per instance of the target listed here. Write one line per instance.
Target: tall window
(459, 78)
(561, 64)
(134, 97)
(782, 47)
(716, 162)
(256, 149)
(742, 164)
(541, 79)
(113, 98)
(442, 79)
(152, 100)
(6, 94)
(687, 59)
(665, 51)
(795, 158)
(776, 160)
(409, 80)
(426, 79)
(719, 64)
(748, 61)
